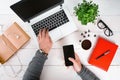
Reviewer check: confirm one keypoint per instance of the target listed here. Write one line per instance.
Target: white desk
(54, 68)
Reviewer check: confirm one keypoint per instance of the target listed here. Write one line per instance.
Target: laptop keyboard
(51, 22)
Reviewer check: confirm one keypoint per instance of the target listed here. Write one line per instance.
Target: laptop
(50, 14)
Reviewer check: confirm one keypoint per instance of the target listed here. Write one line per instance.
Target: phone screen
(68, 52)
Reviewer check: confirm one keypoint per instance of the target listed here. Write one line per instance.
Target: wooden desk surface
(54, 68)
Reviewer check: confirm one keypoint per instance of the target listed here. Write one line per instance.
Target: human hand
(76, 63)
(44, 40)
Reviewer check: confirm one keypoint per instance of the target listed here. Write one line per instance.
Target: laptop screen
(28, 9)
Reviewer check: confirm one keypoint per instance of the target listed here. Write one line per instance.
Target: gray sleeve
(35, 67)
(86, 74)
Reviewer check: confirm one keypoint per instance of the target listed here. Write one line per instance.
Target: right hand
(44, 40)
(76, 63)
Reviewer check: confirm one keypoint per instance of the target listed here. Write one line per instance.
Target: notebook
(103, 53)
(11, 41)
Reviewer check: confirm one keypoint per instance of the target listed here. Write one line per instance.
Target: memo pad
(103, 53)
(11, 41)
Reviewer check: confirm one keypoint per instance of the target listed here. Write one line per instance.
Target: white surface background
(54, 68)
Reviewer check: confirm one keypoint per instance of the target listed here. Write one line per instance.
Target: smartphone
(68, 52)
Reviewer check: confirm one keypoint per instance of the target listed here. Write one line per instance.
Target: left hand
(44, 40)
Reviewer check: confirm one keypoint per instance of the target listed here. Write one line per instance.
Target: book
(11, 41)
(103, 53)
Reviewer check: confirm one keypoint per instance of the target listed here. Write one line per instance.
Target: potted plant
(86, 12)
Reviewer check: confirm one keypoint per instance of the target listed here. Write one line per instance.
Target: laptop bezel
(25, 20)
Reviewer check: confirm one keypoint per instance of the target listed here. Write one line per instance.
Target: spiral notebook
(11, 41)
(103, 53)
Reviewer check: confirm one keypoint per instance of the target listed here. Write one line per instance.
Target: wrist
(80, 69)
(43, 52)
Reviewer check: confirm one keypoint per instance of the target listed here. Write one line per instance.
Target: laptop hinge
(28, 21)
(61, 6)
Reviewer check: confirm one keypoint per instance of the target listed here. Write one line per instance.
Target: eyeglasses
(107, 31)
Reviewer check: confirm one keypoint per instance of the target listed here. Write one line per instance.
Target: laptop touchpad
(55, 34)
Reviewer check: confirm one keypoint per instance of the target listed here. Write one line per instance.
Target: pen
(105, 53)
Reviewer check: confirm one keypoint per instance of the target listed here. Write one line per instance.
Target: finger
(47, 34)
(40, 33)
(38, 38)
(76, 56)
(43, 33)
(72, 60)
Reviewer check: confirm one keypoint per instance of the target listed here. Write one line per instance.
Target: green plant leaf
(86, 12)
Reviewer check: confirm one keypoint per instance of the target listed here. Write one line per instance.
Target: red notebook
(103, 53)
